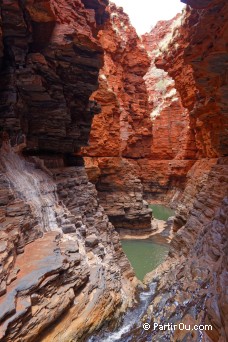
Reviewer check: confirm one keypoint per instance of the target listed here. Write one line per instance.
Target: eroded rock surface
(60, 255)
(201, 46)
(121, 133)
(44, 87)
(173, 144)
(192, 282)
(120, 193)
(60, 269)
(70, 264)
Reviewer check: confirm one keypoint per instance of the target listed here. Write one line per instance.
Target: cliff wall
(143, 130)
(60, 255)
(173, 150)
(58, 250)
(192, 281)
(205, 93)
(121, 133)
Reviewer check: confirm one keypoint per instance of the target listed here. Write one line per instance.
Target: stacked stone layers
(57, 272)
(205, 92)
(173, 149)
(50, 60)
(45, 90)
(120, 192)
(164, 144)
(192, 282)
(121, 133)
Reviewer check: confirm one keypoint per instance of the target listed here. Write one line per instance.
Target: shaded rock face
(192, 281)
(121, 133)
(44, 87)
(70, 264)
(59, 253)
(120, 192)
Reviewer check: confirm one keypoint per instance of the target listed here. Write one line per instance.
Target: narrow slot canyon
(113, 173)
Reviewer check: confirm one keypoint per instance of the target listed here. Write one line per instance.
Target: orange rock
(123, 128)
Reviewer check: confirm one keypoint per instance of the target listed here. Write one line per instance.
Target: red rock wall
(173, 149)
(141, 105)
(52, 76)
(196, 268)
(122, 131)
(122, 93)
(49, 64)
(202, 85)
(44, 87)
(172, 135)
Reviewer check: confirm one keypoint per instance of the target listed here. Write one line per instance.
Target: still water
(144, 255)
(161, 212)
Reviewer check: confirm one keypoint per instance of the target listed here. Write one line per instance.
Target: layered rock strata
(164, 149)
(205, 92)
(192, 281)
(60, 255)
(121, 133)
(44, 88)
(191, 284)
(173, 145)
(69, 268)
(120, 193)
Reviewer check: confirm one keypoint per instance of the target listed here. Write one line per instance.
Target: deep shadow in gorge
(160, 133)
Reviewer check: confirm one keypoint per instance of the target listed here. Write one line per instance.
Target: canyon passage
(98, 128)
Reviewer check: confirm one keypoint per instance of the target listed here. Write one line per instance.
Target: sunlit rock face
(143, 119)
(169, 118)
(203, 49)
(59, 252)
(173, 145)
(122, 132)
(191, 283)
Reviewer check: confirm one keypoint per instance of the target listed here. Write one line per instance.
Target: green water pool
(161, 212)
(144, 255)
